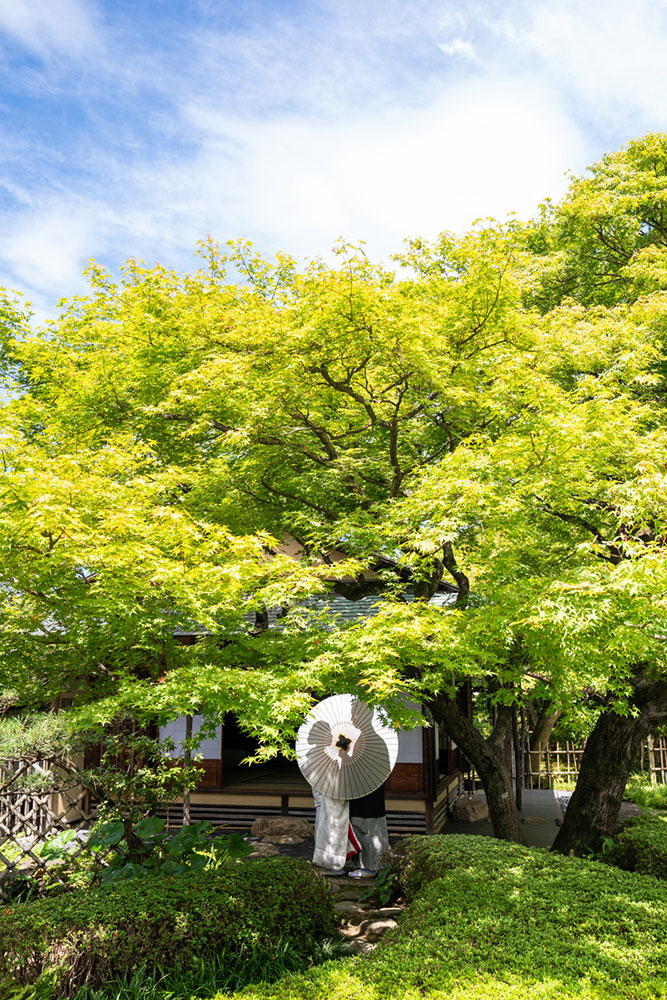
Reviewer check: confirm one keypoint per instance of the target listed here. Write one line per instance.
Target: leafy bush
(484, 910)
(87, 938)
(383, 889)
(645, 794)
(495, 921)
(155, 852)
(421, 860)
(133, 776)
(108, 857)
(641, 846)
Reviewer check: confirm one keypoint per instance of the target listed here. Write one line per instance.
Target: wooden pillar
(651, 760)
(187, 755)
(518, 758)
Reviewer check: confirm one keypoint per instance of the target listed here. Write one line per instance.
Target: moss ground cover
(489, 920)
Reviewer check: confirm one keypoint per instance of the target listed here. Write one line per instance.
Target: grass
(230, 970)
(562, 785)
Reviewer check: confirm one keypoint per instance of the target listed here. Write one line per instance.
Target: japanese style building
(425, 782)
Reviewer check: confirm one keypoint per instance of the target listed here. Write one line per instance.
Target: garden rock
(353, 930)
(362, 924)
(360, 947)
(377, 929)
(384, 912)
(470, 810)
(264, 851)
(628, 809)
(281, 826)
(287, 838)
(348, 906)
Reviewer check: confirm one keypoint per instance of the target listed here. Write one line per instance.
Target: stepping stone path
(363, 924)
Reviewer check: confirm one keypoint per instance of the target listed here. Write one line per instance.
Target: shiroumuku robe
(335, 841)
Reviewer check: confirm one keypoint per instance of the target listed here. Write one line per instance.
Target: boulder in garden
(281, 826)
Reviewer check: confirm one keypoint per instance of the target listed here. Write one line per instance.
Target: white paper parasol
(344, 749)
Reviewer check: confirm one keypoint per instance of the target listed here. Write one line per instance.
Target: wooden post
(187, 756)
(522, 740)
(547, 756)
(518, 762)
(651, 760)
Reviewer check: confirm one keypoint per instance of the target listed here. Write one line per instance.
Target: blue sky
(134, 128)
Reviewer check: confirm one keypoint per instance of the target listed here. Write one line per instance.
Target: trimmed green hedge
(89, 937)
(486, 911)
(641, 846)
(421, 860)
(495, 921)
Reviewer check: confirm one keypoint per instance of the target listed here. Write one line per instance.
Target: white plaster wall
(410, 749)
(410, 746)
(209, 748)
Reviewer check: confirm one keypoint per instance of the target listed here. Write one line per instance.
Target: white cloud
(481, 148)
(46, 248)
(608, 55)
(45, 26)
(458, 47)
(373, 121)
(297, 184)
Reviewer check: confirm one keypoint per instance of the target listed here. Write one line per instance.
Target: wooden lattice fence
(39, 800)
(559, 763)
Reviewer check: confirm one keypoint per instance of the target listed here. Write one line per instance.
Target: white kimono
(334, 841)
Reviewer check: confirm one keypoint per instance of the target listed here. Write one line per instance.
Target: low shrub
(641, 846)
(156, 852)
(495, 921)
(644, 793)
(421, 860)
(87, 938)
(488, 912)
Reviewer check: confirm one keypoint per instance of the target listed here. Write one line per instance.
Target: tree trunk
(496, 778)
(135, 846)
(593, 811)
(539, 739)
(491, 760)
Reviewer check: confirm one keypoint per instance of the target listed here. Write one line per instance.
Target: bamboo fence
(559, 763)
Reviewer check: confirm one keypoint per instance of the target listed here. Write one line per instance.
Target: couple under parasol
(345, 752)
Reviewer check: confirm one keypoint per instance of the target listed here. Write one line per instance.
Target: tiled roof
(341, 610)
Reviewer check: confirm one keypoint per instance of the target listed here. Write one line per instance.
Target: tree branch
(450, 564)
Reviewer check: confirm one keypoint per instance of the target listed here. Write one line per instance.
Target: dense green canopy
(490, 413)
